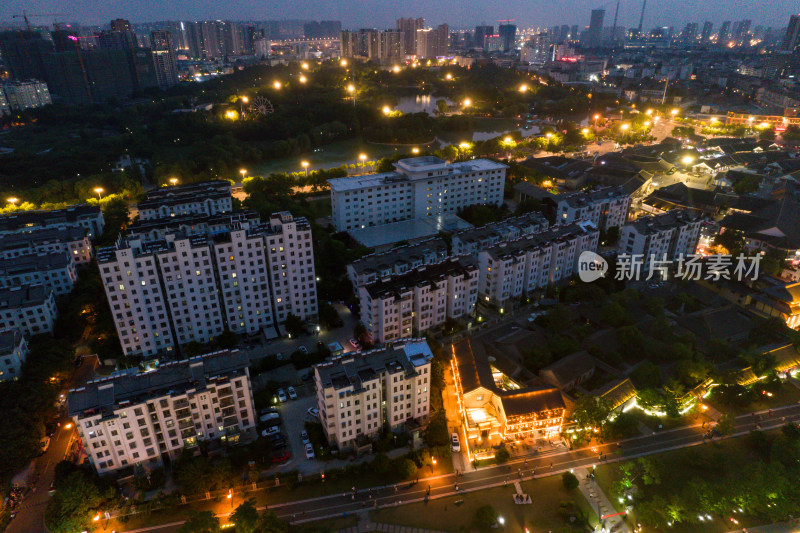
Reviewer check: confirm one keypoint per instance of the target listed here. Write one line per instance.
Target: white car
(266, 417)
(313, 411)
(309, 451)
(304, 437)
(271, 431)
(454, 442)
(292, 393)
(281, 396)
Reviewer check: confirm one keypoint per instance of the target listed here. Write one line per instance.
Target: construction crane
(25, 16)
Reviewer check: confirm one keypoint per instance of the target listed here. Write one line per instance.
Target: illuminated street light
(96, 518)
(448, 76)
(362, 157)
(343, 62)
(68, 425)
(395, 69)
(351, 88)
(387, 110)
(13, 200)
(687, 160)
(99, 192)
(624, 127)
(523, 88)
(304, 66)
(245, 99)
(646, 123)
(585, 131)
(549, 135)
(277, 85)
(674, 112)
(464, 145)
(508, 140)
(173, 181)
(230, 114)
(467, 102)
(303, 79)
(304, 164)
(243, 172)
(649, 111)
(415, 150)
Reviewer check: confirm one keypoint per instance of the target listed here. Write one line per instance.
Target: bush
(502, 455)
(569, 480)
(405, 468)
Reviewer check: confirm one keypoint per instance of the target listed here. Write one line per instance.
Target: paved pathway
(366, 526)
(599, 502)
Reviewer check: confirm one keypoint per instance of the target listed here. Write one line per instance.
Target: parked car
(292, 393)
(271, 431)
(281, 396)
(268, 417)
(355, 344)
(268, 410)
(309, 451)
(275, 436)
(304, 437)
(313, 411)
(454, 442)
(281, 457)
(302, 349)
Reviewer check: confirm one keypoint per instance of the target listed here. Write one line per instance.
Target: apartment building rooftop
(178, 194)
(16, 241)
(32, 219)
(33, 263)
(421, 276)
(191, 223)
(414, 168)
(583, 199)
(521, 224)
(554, 234)
(132, 386)
(675, 218)
(400, 256)
(23, 296)
(352, 370)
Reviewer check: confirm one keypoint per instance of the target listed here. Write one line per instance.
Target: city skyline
(369, 13)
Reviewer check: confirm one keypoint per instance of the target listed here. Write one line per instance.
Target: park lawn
(676, 472)
(443, 514)
(787, 394)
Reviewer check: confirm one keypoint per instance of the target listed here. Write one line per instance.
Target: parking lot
(294, 415)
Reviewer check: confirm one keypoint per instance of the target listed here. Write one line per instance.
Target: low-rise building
(518, 268)
(407, 305)
(667, 236)
(202, 198)
(30, 309)
(473, 240)
(134, 418)
(54, 270)
(69, 240)
(418, 187)
(606, 208)
(359, 393)
(13, 350)
(89, 217)
(400, 260)
(494, 408)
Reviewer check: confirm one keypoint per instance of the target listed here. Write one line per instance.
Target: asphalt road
(536, 465)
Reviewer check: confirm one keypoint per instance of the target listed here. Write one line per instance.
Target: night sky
(382, 13)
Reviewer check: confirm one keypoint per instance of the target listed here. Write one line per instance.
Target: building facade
(13, 351)
(606, 208)
(204, 198)
(407, 305)
(418, 187)
(29, 94)
(140, 419)
(396, 261)
(70, 240)
(55, 270)
(473, 240)
(667, 236)
(357, 394)
(517, 268)
(89, 217)
(30, 309)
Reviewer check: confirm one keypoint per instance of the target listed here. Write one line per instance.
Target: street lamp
(230, 497)
(243, 172)
(523, 88)
(674, 112)
(549, 135)
(415, 150)
(13, 200)
(596, 118)
(464, 145)
(99, 192)
(585, 131)
(467, 102)
(624, 127)
(687, 160)
(395, 69)
(245, 99)
(303, 79)
(448, 76)
(649, 111)
(351, 88)
(173, 181)
(387, 110)
(305, 166)
(304, 66)
(343, 62)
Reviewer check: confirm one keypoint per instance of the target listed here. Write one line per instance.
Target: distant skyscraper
(641, 17)
(481, 32)
(508, 34)
(164, 58)
(24, 54)
(121, 25)
(792, 38)
(722, 36)
(564, 33)
(595, 34)
(707, 29)
(689, 33)
(573, 33)
(432, 43)
(409, 27)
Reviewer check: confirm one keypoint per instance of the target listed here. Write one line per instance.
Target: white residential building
(662, 237)
(418, 187)
(515, 269)
(203, 198)
(132, 418)
(400, 260)
(473, 240)
(409, 304)
(184, 288)
(54, 270)
(89, 217)
(13, 350)
(606, 208)
(360, 392)
(28, 308)
(71, 240)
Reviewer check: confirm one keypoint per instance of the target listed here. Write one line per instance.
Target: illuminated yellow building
(494, 408)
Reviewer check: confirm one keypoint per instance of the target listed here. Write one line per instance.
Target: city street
(527, 467)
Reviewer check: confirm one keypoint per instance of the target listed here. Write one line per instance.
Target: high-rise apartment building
(433, 43)
(594, 37)
(359, 393)
(418, 187)
(708, 27)
(792, 38)
(132, 418)
(409, 28)
(481, 32)
(667, 236)
(410, 304)
(163, 49)
(508, 34)
(723, 36)
(382, 46)
(397, 261)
